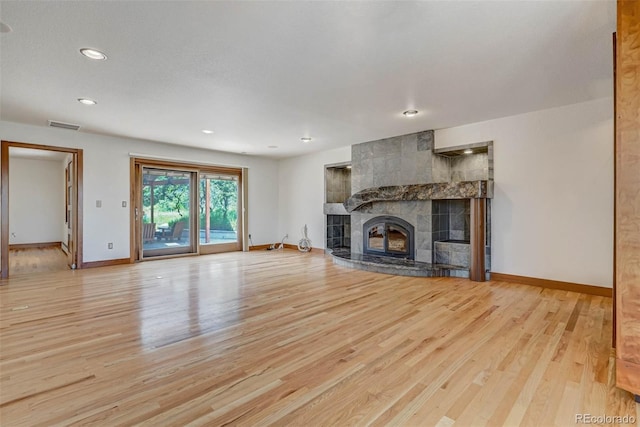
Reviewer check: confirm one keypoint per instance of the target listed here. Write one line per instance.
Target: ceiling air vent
(63, 125)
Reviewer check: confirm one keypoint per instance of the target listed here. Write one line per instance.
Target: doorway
(180, 209)
(40, 233)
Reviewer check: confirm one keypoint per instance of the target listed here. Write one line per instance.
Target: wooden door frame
(239, 244)
(135, 190)
(138, 165)
(4, 190)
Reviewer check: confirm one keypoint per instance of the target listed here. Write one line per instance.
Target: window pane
(218, 206)
(166, 202)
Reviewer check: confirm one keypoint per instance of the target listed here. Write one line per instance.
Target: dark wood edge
(615, 188)
(628, 376)
(79, 213)
(4, 211)
(258, 247)
(42, 245)
(190, 167)
(106, 263)
(478, 238)
(552, 284)
(42, 147)
(132, 209)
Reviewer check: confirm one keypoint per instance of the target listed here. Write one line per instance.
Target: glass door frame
(238, 244)
(195, 248)
(138, 206)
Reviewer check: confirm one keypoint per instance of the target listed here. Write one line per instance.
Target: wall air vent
(62, 125)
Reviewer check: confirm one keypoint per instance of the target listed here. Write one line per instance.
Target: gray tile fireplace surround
(400, 177)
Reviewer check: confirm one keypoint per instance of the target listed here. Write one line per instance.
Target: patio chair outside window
(178, 228)
(148, 232)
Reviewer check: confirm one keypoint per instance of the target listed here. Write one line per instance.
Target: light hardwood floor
(36, 260)
(286, 338)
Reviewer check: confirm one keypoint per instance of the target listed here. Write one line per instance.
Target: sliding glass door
(185, 209)
(219, 206)
(167, 204)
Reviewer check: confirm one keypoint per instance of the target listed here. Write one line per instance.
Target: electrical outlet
(110, 245)
(98, 203)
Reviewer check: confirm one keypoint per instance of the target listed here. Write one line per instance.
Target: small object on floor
(304, 245)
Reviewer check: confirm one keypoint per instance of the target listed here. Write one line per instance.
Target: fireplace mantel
(432, 191)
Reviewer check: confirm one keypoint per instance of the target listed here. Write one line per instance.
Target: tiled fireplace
(405, 196)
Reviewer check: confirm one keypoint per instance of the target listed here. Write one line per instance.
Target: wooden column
(478, 215)
(627, 197)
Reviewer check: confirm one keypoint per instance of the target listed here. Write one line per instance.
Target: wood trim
(286, 246)
(42, 245)
(615, 192)
(245, 209)
(132, 209)
(188, 167)
(135, 171)
(477, 269)
(41, 147)
(4, 211)
(552, 284)
(171, 256)
(79, 203)
(106, 263)
(4, 189)
(627, 375)
(627, 201)
(259, 247)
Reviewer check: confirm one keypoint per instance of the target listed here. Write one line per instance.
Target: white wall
(106, 178)
(36, 195)
(301, 194)
(552, 215)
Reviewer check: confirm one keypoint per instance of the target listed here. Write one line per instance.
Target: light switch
(124, 203)
(98, 203)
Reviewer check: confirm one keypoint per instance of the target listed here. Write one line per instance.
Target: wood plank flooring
(36, 260)
(283, 338)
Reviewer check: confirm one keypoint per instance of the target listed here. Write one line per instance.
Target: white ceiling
(268, 73)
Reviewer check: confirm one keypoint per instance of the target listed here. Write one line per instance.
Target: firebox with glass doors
(388, 236)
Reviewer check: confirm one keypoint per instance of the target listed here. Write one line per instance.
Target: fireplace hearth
(388, 236)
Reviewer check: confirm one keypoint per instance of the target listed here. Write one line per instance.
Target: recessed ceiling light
(93, 54)
(272, 146)
(305, 139)
(207, 131)
(468, 151)
(410, 113)
(87, 101)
